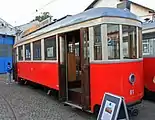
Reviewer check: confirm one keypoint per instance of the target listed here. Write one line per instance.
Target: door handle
(84, 67)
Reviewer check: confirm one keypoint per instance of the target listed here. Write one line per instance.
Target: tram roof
(84, 16)
(149, 25)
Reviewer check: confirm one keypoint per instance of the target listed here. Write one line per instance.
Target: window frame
(148, 44)
(97, 44)
(140, 42)
(52, 38)
(37, 58)
(27, 59)
(20, 56)
(105, 45)
(135, 37)
(119, 42)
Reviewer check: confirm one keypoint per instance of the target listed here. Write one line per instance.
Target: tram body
(149, 55)
(85, 55)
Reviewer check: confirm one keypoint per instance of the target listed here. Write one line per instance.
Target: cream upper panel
(90, 23)
(85, 19)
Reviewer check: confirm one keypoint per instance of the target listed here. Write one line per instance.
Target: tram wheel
(21, 82)
(45, 89)
(133, 112)
(96, 110)
(149, 95)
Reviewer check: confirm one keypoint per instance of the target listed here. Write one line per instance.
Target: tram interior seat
(75, 81)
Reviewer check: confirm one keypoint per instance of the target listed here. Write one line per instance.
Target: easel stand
(113, 107)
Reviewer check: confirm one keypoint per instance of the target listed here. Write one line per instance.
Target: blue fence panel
(1, 40)
(2, 65)
(5, 52)
(8, 40)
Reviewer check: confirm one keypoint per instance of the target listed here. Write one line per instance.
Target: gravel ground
(24, 103)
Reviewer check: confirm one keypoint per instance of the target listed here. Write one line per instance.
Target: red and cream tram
(85, 55)
(149, 56)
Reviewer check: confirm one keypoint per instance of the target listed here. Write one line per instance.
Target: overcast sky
(18, 12)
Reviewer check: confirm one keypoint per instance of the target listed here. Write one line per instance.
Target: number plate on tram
(132, 92)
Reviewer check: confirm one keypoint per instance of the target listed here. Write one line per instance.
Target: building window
(113, 41)
(37, 50)
(146, 47)
(129, 42)
(97, 43)
(50, 48)
(20, 53)
(140, 42)
(27, 52)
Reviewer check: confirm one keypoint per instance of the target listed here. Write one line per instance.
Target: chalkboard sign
(113, 107)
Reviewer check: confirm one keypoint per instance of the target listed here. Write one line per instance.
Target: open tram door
(62, 53)
(14, 63)
(74, 84)
(85, 67)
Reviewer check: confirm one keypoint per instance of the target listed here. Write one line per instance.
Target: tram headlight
(132, 79)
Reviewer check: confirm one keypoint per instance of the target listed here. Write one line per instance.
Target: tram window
(146, 47)
(77, 49)
(37, 50)
(50, 48)
(129, 42)
(27, 52)
(97, 43)
(20, 53)
(140, 42)
(86, 50)
(113, 41)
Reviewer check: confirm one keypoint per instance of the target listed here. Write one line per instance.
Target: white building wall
(105, 3)
(136, 9)
(140, 11)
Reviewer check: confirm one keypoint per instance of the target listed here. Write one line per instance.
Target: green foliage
(43, 16)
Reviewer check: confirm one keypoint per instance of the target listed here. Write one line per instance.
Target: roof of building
(92, 4)
(142, 6)
(148, 25)
(95, 1)
(84, 16)
(6, 28)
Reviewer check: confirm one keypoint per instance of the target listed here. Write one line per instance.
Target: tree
(43, 16)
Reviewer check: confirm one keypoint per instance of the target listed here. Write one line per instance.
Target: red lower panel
(149, 73)
(40, 72)
(114, 78)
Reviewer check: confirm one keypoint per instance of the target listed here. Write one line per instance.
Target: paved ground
(24, 103)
